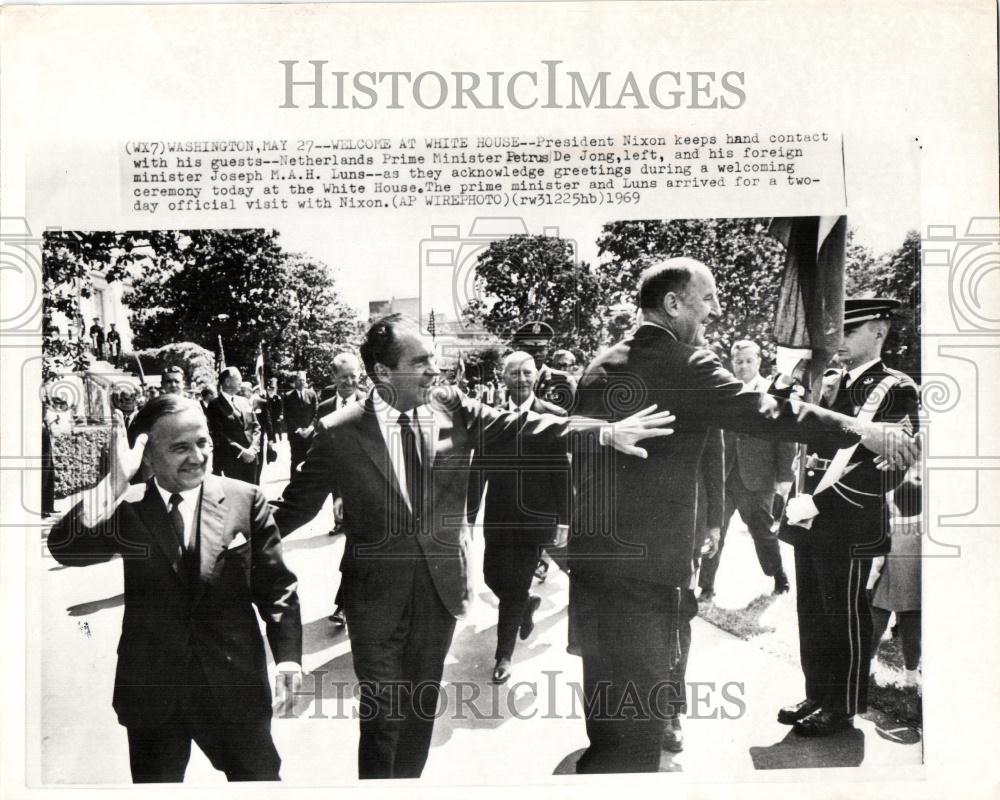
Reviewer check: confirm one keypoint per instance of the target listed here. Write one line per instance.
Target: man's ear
(381, 370)
(671, 304)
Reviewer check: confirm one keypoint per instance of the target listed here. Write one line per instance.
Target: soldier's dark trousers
(835, 627)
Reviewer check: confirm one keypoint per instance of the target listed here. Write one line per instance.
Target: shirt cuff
(604, 436)
(288, 666)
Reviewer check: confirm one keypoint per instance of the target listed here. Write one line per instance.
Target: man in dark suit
(756, 470)
(633, 520)
(837, 521)
(708, 523)
(199, 551)
(276, 408)
(172, 381)
(341, 393)
(235, 430)
(114, 340)
(400, 464)
(526, 499)
(344, 389)
(97, 338)
(301, 407)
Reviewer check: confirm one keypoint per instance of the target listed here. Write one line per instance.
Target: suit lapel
(154, 515)
(211, 521)
(374, 445)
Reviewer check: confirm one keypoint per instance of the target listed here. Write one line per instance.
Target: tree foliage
(202, 285)
(70, 260)
(526, 278)
(897, 275)
(747, 263)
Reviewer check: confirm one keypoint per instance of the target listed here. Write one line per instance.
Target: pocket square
(238, 539)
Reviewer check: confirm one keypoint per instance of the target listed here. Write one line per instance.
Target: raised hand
(125, 460)
(643, 424)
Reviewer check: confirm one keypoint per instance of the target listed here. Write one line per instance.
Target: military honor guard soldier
(838, 520)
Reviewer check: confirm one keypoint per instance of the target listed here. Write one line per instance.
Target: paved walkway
(522, 733)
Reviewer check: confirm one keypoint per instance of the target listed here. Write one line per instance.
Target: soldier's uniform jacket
(853, 512)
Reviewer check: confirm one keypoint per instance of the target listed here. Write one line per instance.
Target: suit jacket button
(810, 473)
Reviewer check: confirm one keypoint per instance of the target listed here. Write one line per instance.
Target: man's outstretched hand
(893, 443)
(645, 424)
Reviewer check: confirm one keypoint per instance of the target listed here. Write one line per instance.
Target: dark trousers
(755, 511)
(678, 674)
(400, 682)
(835, 627)
(299, 448)
(628, 634)
(244, 750)
(508, 568)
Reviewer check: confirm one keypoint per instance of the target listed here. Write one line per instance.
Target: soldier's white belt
(813, 461)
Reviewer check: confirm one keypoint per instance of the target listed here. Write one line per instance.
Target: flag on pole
(809, 321)
(142, 375)
(221, 363)
(259, 365)
(431, 325)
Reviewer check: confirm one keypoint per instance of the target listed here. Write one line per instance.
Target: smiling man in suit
(344, 389)
(526, 500)
(234, 429)
(400, 463)
(199, 551)
(633, 521)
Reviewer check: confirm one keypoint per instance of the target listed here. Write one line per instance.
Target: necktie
(177, 520)
(411, 460)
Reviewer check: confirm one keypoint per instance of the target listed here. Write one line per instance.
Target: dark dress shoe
(673, 736)
(823, 723)
(338, 617)
(528, 620)
(501, 672)
(789, 715)
(781, 585)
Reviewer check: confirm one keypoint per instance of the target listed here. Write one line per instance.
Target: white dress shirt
(344, 402)
(187, 507)
(854, 374)
(525, 406)
(388, 423)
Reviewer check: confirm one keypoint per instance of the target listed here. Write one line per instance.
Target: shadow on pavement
(321, 634)
(308, 542)
(333, 696)
(83, 609)
(843, 749)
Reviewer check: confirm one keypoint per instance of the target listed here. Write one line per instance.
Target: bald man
(634, 522)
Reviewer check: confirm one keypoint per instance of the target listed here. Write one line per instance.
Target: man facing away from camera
(399, 461)
(200, 551)
(634, 520)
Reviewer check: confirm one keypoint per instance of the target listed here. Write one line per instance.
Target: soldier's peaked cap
(865, 309)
